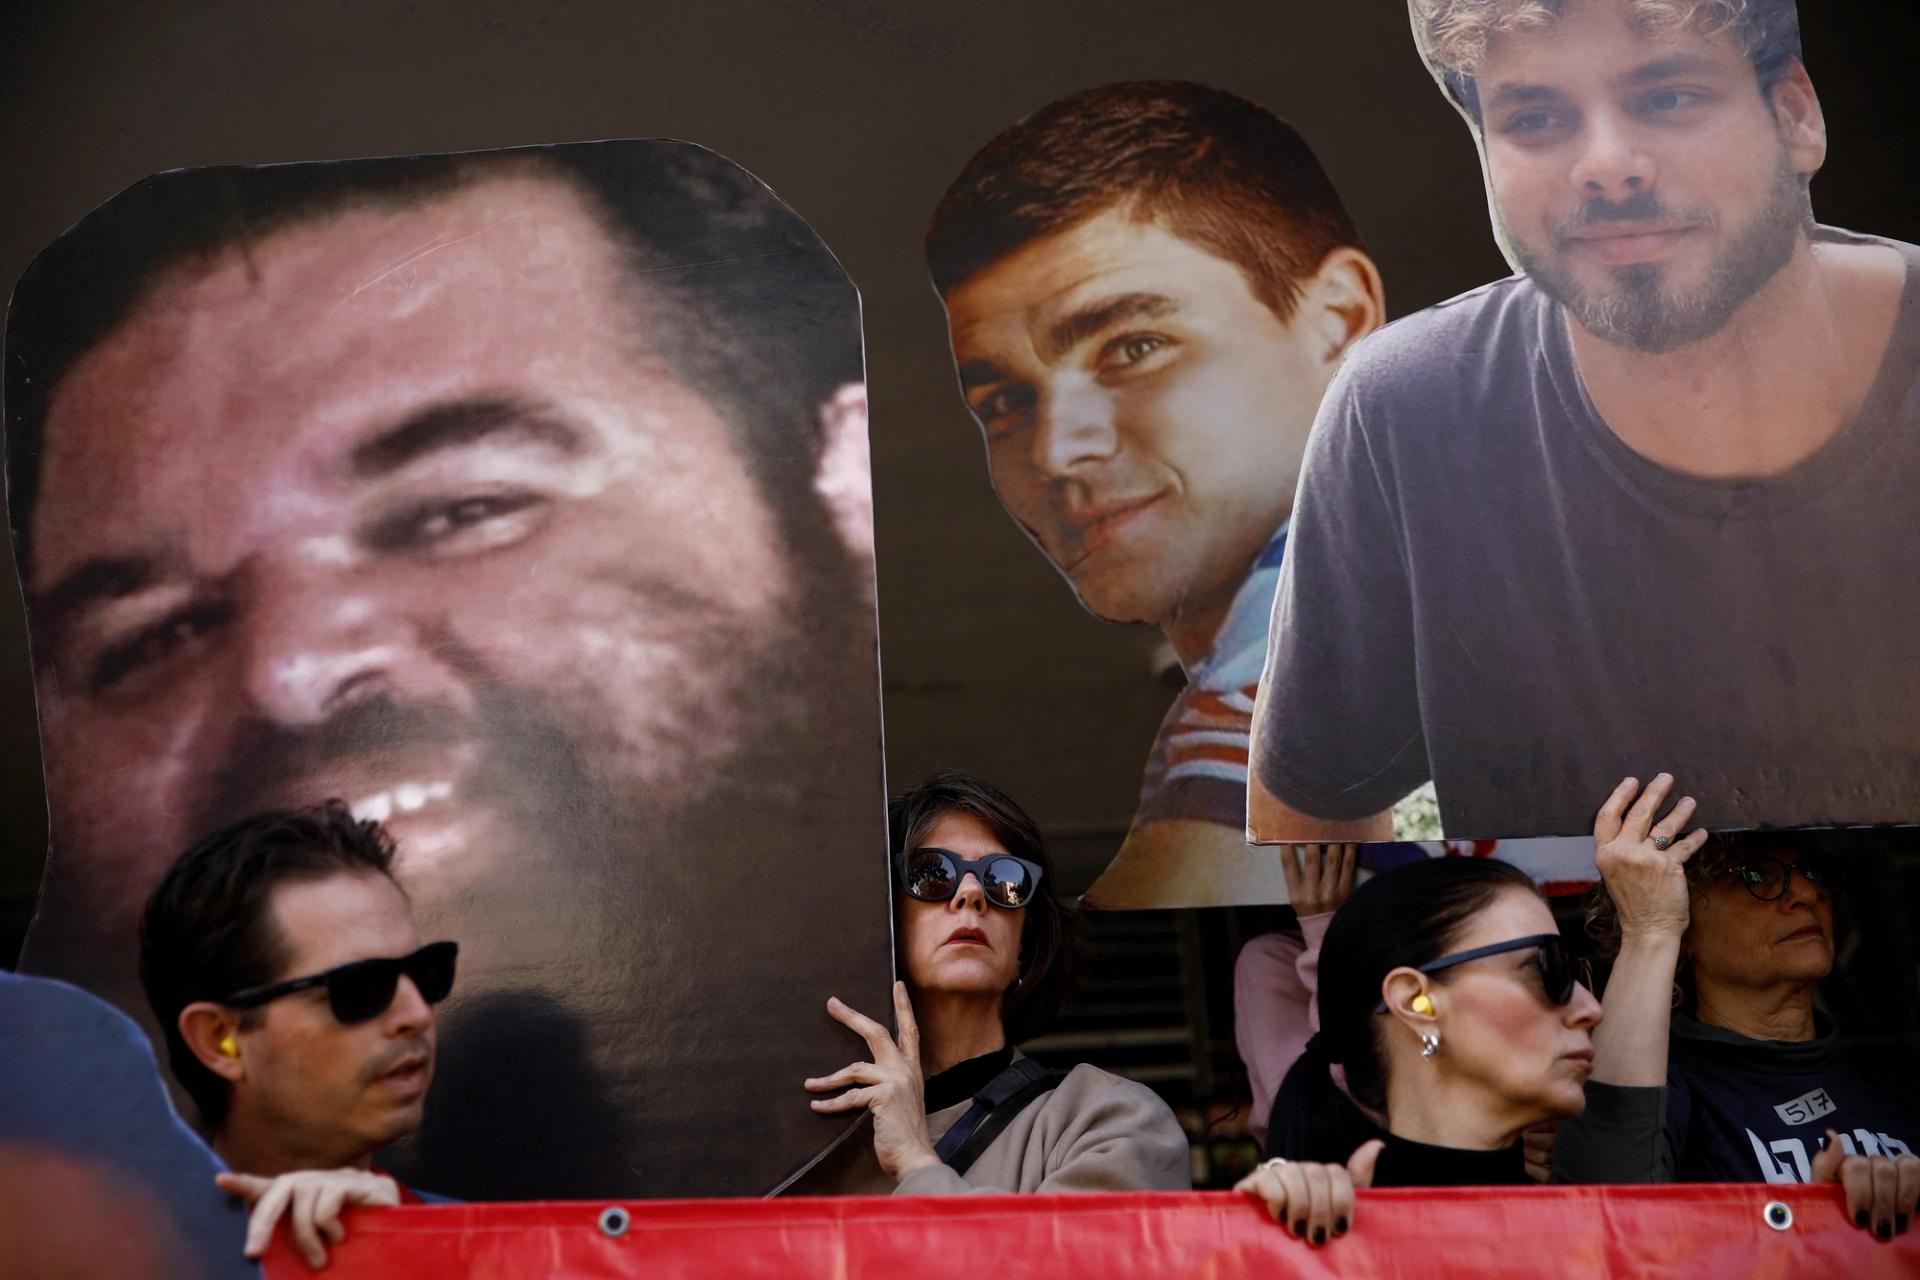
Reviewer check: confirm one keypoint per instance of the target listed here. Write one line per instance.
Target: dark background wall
(858, 112)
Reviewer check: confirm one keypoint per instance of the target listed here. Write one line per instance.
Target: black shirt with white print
(1736, 1109)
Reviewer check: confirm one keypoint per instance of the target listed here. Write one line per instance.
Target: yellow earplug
(229, 1046)
(1422, 1005)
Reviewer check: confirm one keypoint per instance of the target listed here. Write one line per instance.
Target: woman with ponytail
(1450, 1004)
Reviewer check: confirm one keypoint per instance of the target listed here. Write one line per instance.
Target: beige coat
(1095, 1132)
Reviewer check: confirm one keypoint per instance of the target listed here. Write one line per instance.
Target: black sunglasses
(1557, 975)
(934, 875)
(364, 989)
(1767, 878)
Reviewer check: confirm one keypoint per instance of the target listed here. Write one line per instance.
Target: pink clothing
(1274, 1012)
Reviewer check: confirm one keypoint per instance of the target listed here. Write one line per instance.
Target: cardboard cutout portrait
(520, 500)
(1148, 285)
(1646, 504)
(98, 1174)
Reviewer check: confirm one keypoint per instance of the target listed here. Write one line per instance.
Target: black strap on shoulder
(994, 1108)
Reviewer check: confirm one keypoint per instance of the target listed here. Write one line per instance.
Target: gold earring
(1422, 1005)
(229, 1046)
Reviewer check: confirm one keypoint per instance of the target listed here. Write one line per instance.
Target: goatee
(1641, 311)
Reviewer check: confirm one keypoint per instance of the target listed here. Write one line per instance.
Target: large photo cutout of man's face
(519, 500)
(1148, 286)
(1643, 506)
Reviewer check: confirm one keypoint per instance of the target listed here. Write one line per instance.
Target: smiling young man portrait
(1148, 286)
(516, 498)
(1650, 497)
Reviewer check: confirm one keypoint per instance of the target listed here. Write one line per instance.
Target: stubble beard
(1641, 312)
(587, 831)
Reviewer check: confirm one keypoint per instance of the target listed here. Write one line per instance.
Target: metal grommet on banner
(1779, 1215)
(614, 1221)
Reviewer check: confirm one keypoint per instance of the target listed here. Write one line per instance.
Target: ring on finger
(1274, 1162)
(1661, 842)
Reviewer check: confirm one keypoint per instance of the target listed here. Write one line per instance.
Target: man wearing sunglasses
(1714, 1063)
(282, 963)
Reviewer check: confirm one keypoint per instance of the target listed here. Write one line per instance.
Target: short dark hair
(208, 929)
(1210, 167)
(762, 319)
(1048, 954)
(1408, 916)
(1453, 35)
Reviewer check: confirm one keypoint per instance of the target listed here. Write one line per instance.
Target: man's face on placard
(1642, 178)
(1144, 412)
(399, 504)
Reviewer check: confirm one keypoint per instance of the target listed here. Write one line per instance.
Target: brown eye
(459, 526)
(1001, 403)
(1661, 101)
(154, 646)
(1130, 350)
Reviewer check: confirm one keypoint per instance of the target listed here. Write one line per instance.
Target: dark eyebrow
(1513, 95)
(977, 373)
(88, 584)
(461, 422)
(1071, 330)
(1680, 64)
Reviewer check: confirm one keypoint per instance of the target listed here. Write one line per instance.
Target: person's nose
(970, 896)
(1076, 427)
(319, 640)
(1614, 162)
(1799, 891)
(1583, 1010)
(409, 1014)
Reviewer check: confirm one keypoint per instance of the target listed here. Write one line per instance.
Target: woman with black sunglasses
(986, 950)
(1449, 1000)
(1715, 1063)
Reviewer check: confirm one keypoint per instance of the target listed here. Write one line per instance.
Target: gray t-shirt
(1485, 586)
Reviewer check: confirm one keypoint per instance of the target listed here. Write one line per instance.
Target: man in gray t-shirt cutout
(1647, 504)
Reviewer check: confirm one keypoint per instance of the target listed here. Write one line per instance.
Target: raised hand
(1643, 861)
(312, 1200)
(890, 1087)
(1319, 876)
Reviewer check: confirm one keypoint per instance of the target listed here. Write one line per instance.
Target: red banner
(1737, 1230)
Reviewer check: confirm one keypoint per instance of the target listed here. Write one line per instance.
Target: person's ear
(843, 477)
(1341, 303)
(1797, 114)
(212, 1033)
(1410, 998)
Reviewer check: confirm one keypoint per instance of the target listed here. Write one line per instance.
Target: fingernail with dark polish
(1339, 1226)
(1884, 1230)
(1899, 1222)
(1860, 1218)
(1299, 1228)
